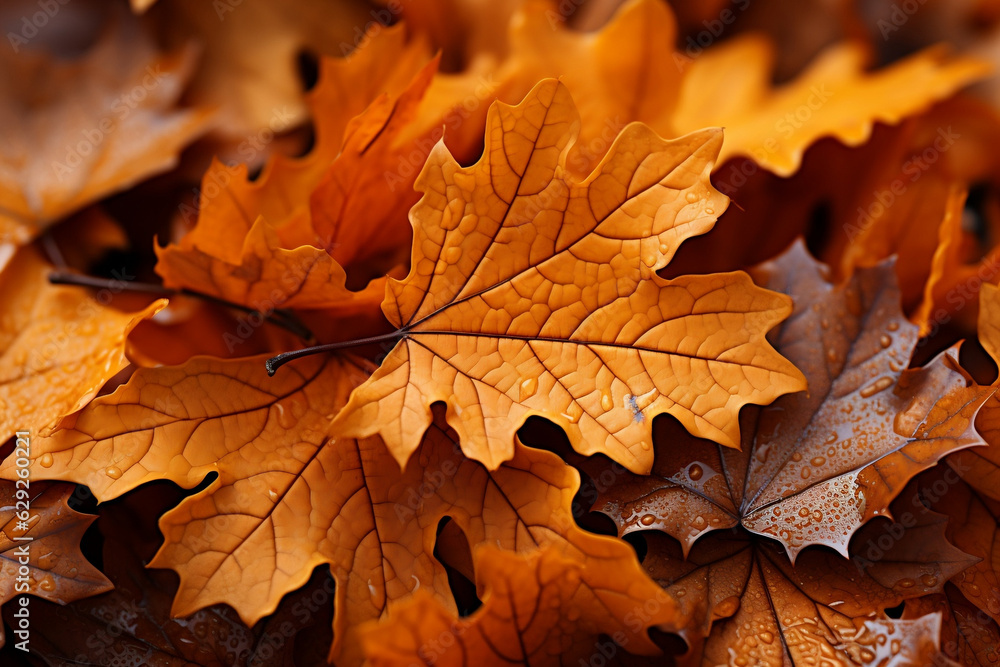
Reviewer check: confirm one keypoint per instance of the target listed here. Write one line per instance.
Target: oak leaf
(57, 571)
(532, 294)
(76, 132)
(814, 467)
(287, 499)
(58, 345)
(628, 72)
(259, 89)
(543, 608)
(300, 221)
(741, 595)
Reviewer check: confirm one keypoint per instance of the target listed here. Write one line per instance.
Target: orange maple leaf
(531, 293)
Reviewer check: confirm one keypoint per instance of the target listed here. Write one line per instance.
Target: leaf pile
(539, 333)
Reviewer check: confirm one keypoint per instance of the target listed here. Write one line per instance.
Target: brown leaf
(132, 623)
(75, 132)
(814, 466)
(49, 549)
(739, 594)
(544, 608)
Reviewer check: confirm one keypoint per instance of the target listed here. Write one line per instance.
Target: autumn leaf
(59, 345)
(628, 71)
(287, 499)
(520, 277)
(740, 594)
(294, 253)
(543, 608)
(980, 467)
(249, 68)
(968, 636)
(56, 570)
(132, 623)
(814, 467)
(76, 132)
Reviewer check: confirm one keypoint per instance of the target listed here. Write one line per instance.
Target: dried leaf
(740, 594)
(75, 132)
(132, 624)
(814, 467)
(286, 500)
(544, 608)
(967, 634)
(57, 571)
(498, 317)
(59, 345)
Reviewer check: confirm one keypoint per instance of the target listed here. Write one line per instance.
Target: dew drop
(528, 388)
(664, 248)
(818, 461)
(875, 387)
(817, 516)
(709, 211)
(804, 512)
(699, 522)
(46, 460)
(114, 472)
(727, 607)
(606, 401)
(929, 580)
(695, 472)
(573, 413)
(647, 520)
(805, 473)
(452, 255)
(48, 560)
(766, 637)
(649, 260)
(906, 583)
(885, 341)
(796, 456)
(47, 584)
(825, 323)
(832, 438)
(893, 326)
(273, 495)
(644, 445)
(831, 355)
(691, 197)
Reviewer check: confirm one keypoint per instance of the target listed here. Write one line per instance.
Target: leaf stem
(281, 318)
(276, 362)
